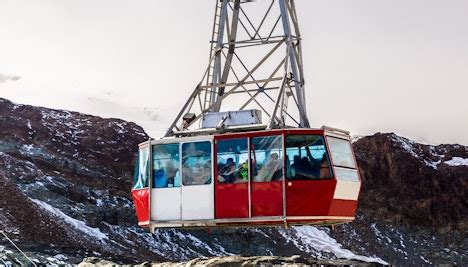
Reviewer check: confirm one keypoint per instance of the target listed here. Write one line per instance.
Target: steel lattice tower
(255, 62)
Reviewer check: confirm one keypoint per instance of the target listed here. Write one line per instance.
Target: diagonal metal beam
(221, 98)
(247, 91)
(266, 83)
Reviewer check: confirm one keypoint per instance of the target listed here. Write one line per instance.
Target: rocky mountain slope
(414, 185)
(65, 179)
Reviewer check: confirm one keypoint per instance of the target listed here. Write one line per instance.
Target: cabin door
(197, 182)
(232, 178)
(310, 184)
(166, 190)
(266, 176)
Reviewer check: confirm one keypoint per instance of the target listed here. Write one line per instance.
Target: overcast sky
(389, 66)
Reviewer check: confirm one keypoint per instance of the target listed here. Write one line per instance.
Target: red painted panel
(309, 197)
(232, 201)
(248, 134)
(267, 133)
(341, 207)
(141, 202)
(267, 198)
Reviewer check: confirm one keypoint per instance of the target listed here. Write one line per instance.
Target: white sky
(389, 66)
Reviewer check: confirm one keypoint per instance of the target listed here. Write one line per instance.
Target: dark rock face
(65, 181)
(412, 185)
(79, 164)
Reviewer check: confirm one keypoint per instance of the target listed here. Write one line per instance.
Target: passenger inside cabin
(324, 168)
(271, 170)
(232, 161)
(306, 167)
(165, 176)
(244, 172)
(295, 167)
(309, 158)
(171, 172)
(226, 174)
(165, 165)
(289, 169)
(196, 163)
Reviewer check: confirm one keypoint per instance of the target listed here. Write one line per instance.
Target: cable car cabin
(259, 178)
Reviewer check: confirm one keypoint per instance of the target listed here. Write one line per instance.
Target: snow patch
(77, 224)
(432, 164)
(28, 148)
(406, 144)
(425, 260)
(356, 138)
(457, 161)
(309, 238)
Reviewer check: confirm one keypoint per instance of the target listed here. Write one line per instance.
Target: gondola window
(267, 159)
(166, 166)
(232, 161)
(140, 179)
(196, 163)
(307, 158)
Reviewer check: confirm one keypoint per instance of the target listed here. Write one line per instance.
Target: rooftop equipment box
(231, 118)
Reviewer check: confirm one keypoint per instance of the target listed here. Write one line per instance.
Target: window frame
(216, 158)
(147, 182)
(356, 168)
(358, 176)
(283, 151)
(190, 141)
(327, 150)
(179, 166)
(353, 157)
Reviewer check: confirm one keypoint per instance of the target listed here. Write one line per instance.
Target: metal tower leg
(218, 55)
(291, 51)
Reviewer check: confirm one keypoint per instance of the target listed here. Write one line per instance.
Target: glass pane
(166, 165)
(307, 158)
(136, 173)
(346, 174)
(196, 163)
(341, 152)
(267, 159)
(142, 173)
(232, 161)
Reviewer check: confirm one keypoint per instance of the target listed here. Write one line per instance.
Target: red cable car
(286, 176)
(236, 168)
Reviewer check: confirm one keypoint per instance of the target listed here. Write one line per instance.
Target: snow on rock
(310, 238)
(457, 161)
(77, 224)
(406, 144)
(355, 138)
(430, 155)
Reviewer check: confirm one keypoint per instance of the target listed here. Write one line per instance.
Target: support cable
(13, 243)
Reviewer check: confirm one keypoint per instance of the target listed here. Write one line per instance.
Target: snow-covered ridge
(414, 150)
(77, 224)
(431, 155)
